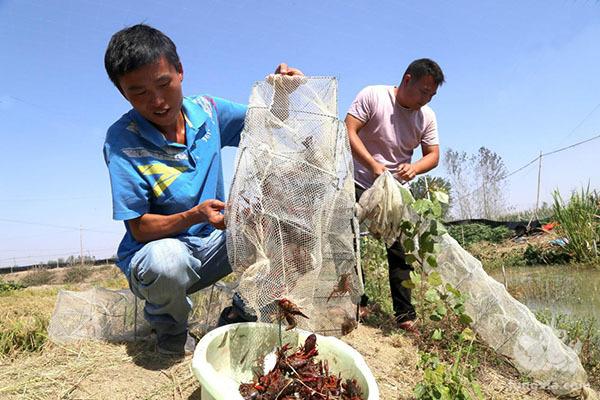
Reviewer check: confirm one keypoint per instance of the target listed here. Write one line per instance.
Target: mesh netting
(290, 231)
(116, 316)
(96, 314)
(505, 324)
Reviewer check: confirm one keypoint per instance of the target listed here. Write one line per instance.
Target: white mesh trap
(504, 323)
(290, 218)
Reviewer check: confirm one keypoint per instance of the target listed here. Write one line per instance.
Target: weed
(583, 334)
(579, 222)
(545, 255)
(38, 277)
(9, 286)
(77, 274)
(25, 334)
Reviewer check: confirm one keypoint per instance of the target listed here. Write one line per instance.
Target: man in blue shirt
(164, 162)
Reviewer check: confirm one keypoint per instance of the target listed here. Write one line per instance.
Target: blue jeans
(165, 271)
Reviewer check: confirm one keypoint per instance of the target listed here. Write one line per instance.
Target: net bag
(290, 216)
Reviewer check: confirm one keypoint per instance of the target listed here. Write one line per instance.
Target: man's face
(154, 90)
(417, 93)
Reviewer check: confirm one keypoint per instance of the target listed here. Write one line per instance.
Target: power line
(75, 228)
(531, 162)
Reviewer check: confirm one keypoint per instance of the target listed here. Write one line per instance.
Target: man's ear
(180, 71)
(406, 79)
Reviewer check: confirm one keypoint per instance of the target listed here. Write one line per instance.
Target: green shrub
(38, 277)
(9, 286)
(472, 233)
(579, 222)
(544, 255)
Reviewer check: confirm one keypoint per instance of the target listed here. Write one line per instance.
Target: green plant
(468, 234)
(37, 277)
(9, 286)
(579, 222)
(374, 264)
(440, 306)
(536, 254)
(445, 381)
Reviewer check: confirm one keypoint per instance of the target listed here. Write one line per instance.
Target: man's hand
(211, 210)
(377, 169)
(283, 69)
(406, 172)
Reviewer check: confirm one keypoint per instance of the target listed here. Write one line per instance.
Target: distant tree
(477, 183)
(458, 165)
(425, 183)
(490, 172)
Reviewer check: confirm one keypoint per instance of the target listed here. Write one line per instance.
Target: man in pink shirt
(385, 124)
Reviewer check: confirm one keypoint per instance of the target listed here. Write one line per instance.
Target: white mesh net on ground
(115, 316)
(505, 324)
(290, 231)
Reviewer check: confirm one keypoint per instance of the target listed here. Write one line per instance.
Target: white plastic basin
(224, 358)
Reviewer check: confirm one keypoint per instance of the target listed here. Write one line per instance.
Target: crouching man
(164, 162)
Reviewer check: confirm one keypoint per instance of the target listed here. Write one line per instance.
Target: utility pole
(81, 244)
(537, 197)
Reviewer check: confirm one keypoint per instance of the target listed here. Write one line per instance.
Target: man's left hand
(283, 69)
(406, 172)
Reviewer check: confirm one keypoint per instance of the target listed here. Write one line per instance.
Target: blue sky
(521, 77)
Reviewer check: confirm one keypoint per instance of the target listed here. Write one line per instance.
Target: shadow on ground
(143, 354)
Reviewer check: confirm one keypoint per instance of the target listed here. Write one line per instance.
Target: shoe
(409, 326)
(231, 315)
(176, 345)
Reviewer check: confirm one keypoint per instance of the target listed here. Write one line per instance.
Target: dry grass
(393, 357)
(99, 370)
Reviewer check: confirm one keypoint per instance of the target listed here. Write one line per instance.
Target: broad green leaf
(431, 295)
(409, 245)
(437, 334)
(452, 290)
(426, 243)
(408, 284)
(410, 259)
(467, 334)
(440, 310)
(465, 319)
(435, 317)
(436, 209)
(421, 206)
(434, 278)
(441, 196)
(432, 261)
(407, 197)
(415, 277)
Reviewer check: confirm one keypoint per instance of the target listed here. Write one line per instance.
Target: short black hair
(136, 46)
(424, 67)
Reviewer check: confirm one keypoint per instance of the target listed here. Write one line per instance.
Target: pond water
(567, 289)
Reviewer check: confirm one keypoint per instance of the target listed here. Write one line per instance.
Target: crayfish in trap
(300, 377)
(289, 311)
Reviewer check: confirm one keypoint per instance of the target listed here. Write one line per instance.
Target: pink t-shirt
(391, 132)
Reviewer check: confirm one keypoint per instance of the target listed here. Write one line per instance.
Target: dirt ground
(99, 370)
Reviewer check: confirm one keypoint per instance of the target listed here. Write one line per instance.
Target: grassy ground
(99, 370)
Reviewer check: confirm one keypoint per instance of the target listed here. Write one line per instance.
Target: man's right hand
(211, 210)
(377, 169)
